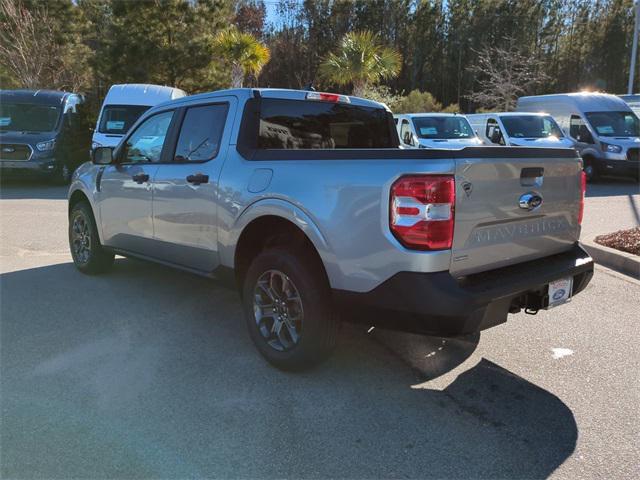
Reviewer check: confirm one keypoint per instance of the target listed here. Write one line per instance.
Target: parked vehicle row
(232, 184)
(602, 128)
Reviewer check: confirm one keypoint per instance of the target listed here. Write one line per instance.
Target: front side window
(531, 126)
(615, 124)
(28, 117)
(442, 127)
(302, 124)
(201, 133)
(579, 130)
(145, 144)
(118, 119)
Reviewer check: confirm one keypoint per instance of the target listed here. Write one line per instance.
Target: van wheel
(88, 254)
(62, 175)
(288, 310)
(590, 170)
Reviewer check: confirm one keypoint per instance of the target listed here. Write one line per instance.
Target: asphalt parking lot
(146, 372)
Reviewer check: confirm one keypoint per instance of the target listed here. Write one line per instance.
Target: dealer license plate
(560, 291)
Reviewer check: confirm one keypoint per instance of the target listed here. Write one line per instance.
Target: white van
(435, 130)
(519, 129)
(123, 105)
(606, 131)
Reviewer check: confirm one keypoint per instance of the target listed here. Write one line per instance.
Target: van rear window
(304, 124)
(118, 119)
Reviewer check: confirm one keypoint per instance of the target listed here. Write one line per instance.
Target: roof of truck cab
(583, 101)
(141, 94)
(281, 93)
(40, 97)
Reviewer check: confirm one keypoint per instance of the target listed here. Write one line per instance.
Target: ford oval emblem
(8, 149)
(530, 201)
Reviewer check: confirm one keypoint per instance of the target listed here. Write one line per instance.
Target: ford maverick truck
(306, 201)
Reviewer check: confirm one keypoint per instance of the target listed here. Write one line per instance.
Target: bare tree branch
(504, 74)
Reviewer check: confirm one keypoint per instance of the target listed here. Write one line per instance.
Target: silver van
(605, 128)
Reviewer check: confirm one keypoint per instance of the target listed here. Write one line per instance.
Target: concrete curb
(622, 262)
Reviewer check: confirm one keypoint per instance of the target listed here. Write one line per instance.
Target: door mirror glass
(102, 155)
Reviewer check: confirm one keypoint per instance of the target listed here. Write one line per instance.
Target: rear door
(513, 205)
(186, 188)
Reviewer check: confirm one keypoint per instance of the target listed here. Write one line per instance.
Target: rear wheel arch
(272, 231)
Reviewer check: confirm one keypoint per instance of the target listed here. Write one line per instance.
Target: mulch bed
(625, 240)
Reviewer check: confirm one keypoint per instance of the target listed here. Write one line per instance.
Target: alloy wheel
(278, 312)
(81, 238)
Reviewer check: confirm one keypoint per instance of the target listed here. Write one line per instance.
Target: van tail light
(583, 190)
(422, 211)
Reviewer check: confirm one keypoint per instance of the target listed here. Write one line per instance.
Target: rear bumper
(438, 304)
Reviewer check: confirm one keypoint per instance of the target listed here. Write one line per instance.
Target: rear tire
(88, 254)
(288, 309)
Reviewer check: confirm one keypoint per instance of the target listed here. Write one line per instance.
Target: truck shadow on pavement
(148, 372)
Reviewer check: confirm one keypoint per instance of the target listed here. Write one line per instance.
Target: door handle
(140, 177)
(198, 178)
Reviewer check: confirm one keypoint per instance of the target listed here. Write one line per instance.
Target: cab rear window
(303, 124)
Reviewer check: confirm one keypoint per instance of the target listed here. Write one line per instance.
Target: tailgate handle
(532, 176)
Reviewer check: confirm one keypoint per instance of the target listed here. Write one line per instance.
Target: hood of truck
(450, 143)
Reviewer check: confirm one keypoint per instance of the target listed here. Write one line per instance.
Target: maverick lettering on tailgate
(493, 234)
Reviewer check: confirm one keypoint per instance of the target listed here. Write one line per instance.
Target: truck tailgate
(513, 205)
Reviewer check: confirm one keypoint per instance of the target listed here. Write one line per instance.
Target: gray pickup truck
(306, 202)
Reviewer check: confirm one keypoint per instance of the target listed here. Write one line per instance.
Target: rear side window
(118, 119)
(201, 132)
(300, 124)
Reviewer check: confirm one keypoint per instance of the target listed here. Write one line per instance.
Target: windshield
(118, 119)
(442, 127)
(615, 124)
(531, 126)
(28, 117)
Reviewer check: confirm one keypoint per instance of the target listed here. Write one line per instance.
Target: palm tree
(243, 51)
(361, 60)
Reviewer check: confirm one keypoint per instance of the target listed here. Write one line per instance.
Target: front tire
(88, 254)
(590, 170)
(288, 310)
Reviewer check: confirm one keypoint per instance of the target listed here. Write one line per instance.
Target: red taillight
(583, 189)
(422, 211)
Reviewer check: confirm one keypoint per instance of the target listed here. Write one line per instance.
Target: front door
(186, 188)
(126, 186)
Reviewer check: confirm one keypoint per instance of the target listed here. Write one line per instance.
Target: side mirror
(102, 156)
